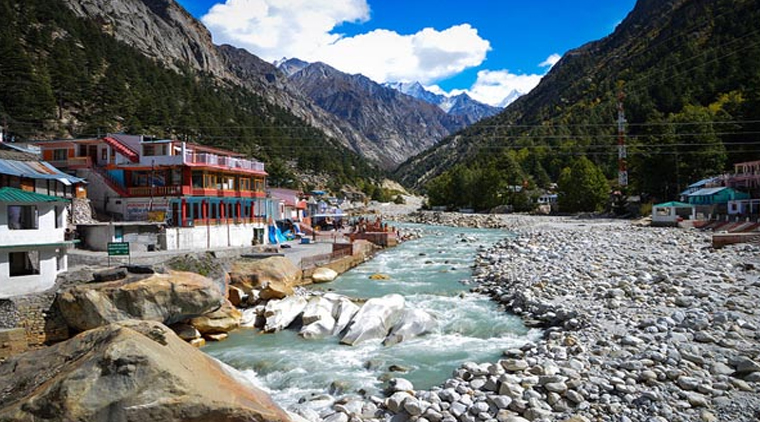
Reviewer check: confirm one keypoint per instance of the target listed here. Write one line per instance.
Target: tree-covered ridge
(690, 73)
(62, 76)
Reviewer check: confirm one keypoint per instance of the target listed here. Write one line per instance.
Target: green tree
(582, 187)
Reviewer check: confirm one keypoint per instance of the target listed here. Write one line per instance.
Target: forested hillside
(62, 76)
(689, 71)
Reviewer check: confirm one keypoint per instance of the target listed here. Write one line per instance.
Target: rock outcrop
(128, 371)
(222, 320)
(275, 276)
(166, 298)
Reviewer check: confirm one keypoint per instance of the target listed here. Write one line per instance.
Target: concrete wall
(26, 284)
(204, 237)
(46, 232)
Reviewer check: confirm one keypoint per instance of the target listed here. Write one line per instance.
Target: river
(428, 272)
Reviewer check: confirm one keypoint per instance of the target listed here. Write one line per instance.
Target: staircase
(122, 149)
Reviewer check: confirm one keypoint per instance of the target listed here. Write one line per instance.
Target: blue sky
(487, 48)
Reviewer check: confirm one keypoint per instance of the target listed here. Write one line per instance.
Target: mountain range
(399, 125)
(680, 69)
(456, 105)
(79, 68)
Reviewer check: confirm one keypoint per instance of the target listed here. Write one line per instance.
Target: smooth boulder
(280, 314)
(344, 312)
(222, 320)
(375, 319)
(249, 274)
(318, 318)
(128, 371)
(413, 322)
(323, 275)
(166, 298)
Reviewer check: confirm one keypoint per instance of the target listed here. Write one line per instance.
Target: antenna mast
(622, 152)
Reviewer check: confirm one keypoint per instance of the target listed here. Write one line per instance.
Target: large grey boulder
(375, 319)
(413, 322)
(166, 298)
(129, 371)
(280, 314)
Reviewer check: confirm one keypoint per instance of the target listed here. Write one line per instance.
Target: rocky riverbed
(641, 324)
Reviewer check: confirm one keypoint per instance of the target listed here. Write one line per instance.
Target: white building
(32, 241)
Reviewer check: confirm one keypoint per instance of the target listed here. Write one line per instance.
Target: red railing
(155, 191)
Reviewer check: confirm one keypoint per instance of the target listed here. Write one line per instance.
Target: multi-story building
(206, 196)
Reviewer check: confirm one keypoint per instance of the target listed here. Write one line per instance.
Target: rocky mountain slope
(164, 31)
(680, 62)
(397, 125)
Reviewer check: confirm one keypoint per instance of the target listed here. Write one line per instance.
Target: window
(245, 183)
(154, 150)
(24, 263)
(60, 154)
(197, 179)
(22, 217)
(229, 183)
(104, 154)
(209, 181)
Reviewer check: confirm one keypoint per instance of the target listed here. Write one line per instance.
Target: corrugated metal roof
(674, 204)
(36, 170)
(707, 191)
(14, 195)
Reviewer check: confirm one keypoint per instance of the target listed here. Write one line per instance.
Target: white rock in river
(316, 309)
(375, 319)
(281, 313)
(343, 312)
(413, 322)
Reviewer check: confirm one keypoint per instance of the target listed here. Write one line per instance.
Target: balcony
(223, 161)
(155, 191)
(72, 163)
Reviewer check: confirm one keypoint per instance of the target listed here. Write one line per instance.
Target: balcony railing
(223, 161)
(155, 191)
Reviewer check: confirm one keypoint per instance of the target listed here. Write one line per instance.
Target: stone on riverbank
(249, 274)
(323, 275)
(128, 371)
(166, 298)
(222, 320)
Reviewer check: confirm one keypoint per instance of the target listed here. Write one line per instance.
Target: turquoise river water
(428, 273)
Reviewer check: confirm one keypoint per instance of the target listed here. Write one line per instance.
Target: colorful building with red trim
(206, 196)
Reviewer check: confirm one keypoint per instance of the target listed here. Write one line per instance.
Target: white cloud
(304, 29)
(494, 86)
(550, 61)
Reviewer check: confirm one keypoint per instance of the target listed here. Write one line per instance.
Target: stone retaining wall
(35, 317)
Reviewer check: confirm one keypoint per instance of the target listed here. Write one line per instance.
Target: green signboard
(118, 248)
